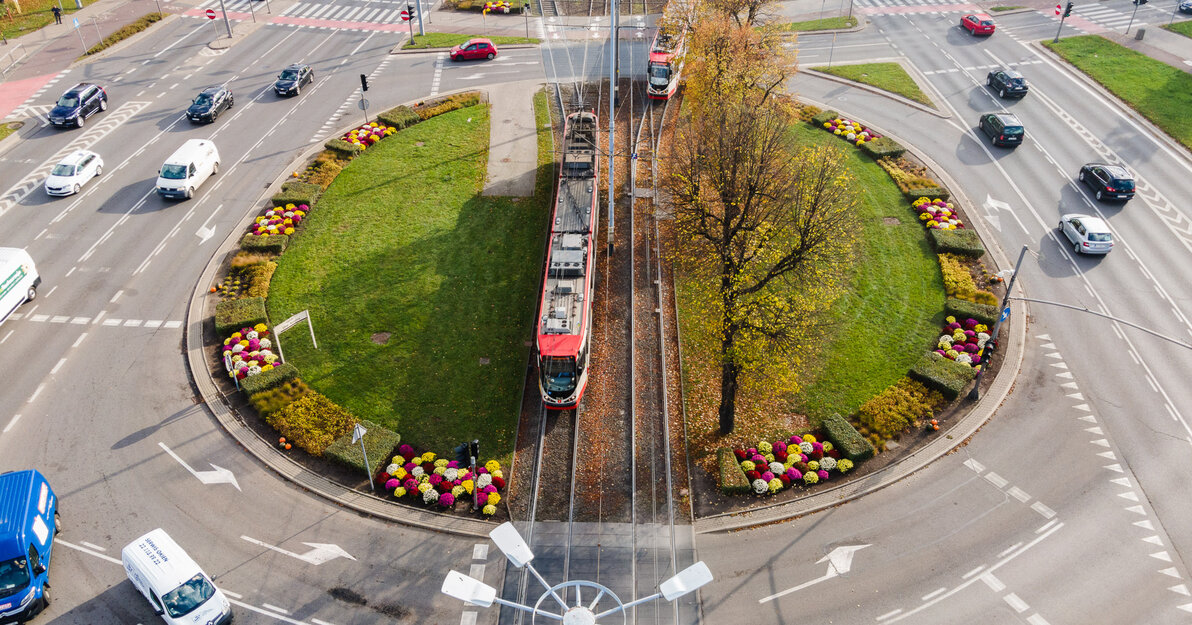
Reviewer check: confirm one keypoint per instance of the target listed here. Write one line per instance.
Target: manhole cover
(380, 338)
(418, 144)
(484, 361)
(890, 221)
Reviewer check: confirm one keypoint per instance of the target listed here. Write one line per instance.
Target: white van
(179, 591)
(187, 168)
(18, 280)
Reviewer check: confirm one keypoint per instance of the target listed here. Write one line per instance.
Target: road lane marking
(12, 422)
(36, 393)
(57, 366)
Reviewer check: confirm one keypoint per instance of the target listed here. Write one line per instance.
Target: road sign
(1005, 313)
(76, 23)
(210, 14)
(405, 15)
(363, 104)
(1058, 8)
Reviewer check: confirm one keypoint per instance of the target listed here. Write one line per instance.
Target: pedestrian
(57, 15)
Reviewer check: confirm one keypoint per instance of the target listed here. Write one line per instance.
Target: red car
(474, 49)
(977, 24)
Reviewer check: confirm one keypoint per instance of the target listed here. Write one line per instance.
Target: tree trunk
(729, 372)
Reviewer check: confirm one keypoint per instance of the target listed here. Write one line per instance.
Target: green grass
(1182, 28)
(828, 23)
(447, 40)
(1158, 91)
(9, 128)
(885, 76)
(890, 312)
(143, 22)
(403, 242)
(34, 15)
(1001, 9)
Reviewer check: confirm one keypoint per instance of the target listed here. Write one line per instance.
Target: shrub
(732, 478)
(312, 422)
(960, 241)
(824, 117)
(883, 146)
(808, 113)
(324, 173)
(258, 276)
(266, 380)
(931, 192)
(400, 117)
(904, 179)
(274, 399)
(898, 407)
(297, 193)
(272, 244)
(125, 32)
(343, 150)
(244, 259)
(448, 104)
(946, 376)
(845, 438)
(961, 309)
(959, 283)
(233, 314)
(379, 441)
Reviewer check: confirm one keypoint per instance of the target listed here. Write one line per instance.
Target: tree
(747, 13)
(727, 63)
(768, 224)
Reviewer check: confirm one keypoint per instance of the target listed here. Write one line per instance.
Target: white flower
(451, 475)
(777, 468)
(806, 447)
(965, 358)
(760, 486)
(430, 496)
(828, 463)
(253, 370)
(265, 352)
(252, 334)
(484, 480)
(237, 348)
(391, 469)
(418, 472)
(266, 344)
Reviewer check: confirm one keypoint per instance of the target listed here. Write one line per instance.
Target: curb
(882, 92)
(510, 46)
(862, 24)
(120, 45)
(943, 443)
(7, 143)
(262, 450)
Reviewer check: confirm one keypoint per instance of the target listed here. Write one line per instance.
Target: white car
(69, 176)
(1088, 234)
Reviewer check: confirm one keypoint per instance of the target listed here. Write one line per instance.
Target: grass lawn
(447, 40)
(887, 318)
(34, 14)
(885, 76)
(1158, 91)
(403, 243)
(1183, 28)
(828, 23)
(1000, 9)
(9, 128)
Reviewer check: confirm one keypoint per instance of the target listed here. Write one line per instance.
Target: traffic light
(410, 8)
(1140, 2)
(474, 448)
(461, 455)
(1068, 9)
(363, 82)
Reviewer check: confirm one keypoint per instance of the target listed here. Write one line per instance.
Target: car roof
(74, 157)
(1092, 224)
(1117, 171)
(296, 66)
(79, 88)
(1008, 119)
(981, 16)
(212, 90)
(1011, 73)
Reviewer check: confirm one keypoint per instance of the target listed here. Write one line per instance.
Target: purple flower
(803, 456)
(446, 500)
(405, 450)
(795, 440)
(794, 474)
(823, 475)
(453, 465)
(817, 446)
(409, 466)
(490, 489)
(435, 478)
(779, 446)
(481, 499)
(392, 483)
(767, 476)
(411, 484)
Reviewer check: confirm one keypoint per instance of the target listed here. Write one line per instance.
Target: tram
(665, 63)
(565, 313)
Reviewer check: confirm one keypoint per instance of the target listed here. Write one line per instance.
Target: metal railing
(11, 59)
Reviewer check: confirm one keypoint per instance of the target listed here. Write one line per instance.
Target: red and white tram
(665, 62)
(565, 316)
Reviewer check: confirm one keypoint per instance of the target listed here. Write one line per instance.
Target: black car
(1003, 128)
(1108, 182)
(1186, 6)
(77, 104)
(1007, 83)
(209, 104)
(291, 79)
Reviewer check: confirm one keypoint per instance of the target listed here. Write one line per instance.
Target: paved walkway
(513, 140)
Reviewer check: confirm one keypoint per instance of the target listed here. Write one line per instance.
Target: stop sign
(405, 15)
(1057, 9)
(210, 14)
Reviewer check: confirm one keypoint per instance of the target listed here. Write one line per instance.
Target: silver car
(1088, 234)
(69, 176)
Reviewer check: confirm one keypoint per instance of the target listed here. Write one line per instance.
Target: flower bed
(368, 134)
(250, 351)
(281, 220)
(850, 131)
(438, 482)
(963, 342)
(937, 214)
(774, 467)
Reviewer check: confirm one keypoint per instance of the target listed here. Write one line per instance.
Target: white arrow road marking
(319, 553)
(840, 560)
(992, 206)
(206, 232)
(218, 476)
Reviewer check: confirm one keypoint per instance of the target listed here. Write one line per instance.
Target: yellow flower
(428, 456)
(468, 485)
(494, 499)
(492, 465)
(260, 327)
(289, 231)
(807, 438)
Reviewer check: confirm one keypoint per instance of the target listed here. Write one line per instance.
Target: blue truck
(28, 522)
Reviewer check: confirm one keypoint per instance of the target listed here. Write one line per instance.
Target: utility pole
(612, 128)
(228, 24)
(1067, 12)
(1003, 313)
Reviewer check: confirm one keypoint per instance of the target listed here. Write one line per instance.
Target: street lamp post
(510, 542)
(1003, 312)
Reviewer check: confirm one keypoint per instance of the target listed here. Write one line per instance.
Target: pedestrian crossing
(1113, 18)
(369, 12)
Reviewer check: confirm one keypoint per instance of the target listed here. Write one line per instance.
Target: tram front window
(659, 74)
(558, 374)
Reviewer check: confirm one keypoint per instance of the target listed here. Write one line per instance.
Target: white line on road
(931, 595)
(59, 541)
(116, 296)
(6, 336)
(993, 582)
(1009, 549)
(1015, 602)
(274, 608)
(12, 422)
(36, 392)
(889, 614)
(89, 545)
(57, 366)
(982, 567)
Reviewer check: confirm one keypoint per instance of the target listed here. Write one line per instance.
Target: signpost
(407, 15)
(358, 436)
(80, 32)
(289, 323)
(1058, 9)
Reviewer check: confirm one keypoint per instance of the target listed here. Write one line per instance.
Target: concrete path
(513, 140)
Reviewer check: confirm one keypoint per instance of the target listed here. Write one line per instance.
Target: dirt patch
(380, 338)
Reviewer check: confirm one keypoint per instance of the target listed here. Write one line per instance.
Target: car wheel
(31, 294)
(1080, 176)
(98, 169)
(297, 89)
(231, 102)
(103, 105)
(57, 523)
(1098, 195)
(215, 168)
(989, 81)
(1003, 93)
(79, 120)
(190, 192)
(1076, 248)
(76, 188)
(45, 596)
(490, 56)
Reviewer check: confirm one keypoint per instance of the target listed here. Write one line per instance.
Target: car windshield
(173, 172)
(1124, 185)
(63, 169)
(1100, 237)
(184, 599)
(659, 74)
(987, 22)
(558, 374)
(1012, 131)
(203, 99)
(289, 74)
(69, 100)
(1017, 82)
(14, 576)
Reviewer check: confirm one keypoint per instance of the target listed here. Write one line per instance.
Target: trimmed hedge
(266, 380)
(233, 314)
(274, 399)
(931, 193)
(297, 193)
(960, 242)
(125, 32)
(434, 108)
(904, 404)
(343, 149)
(962, 309)
(846, 438)
(272, 244)
(732, 478)
(942, 374)
(400, 118)
(824, 117)
(379, 441)
(312, 422)
(883, 146)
